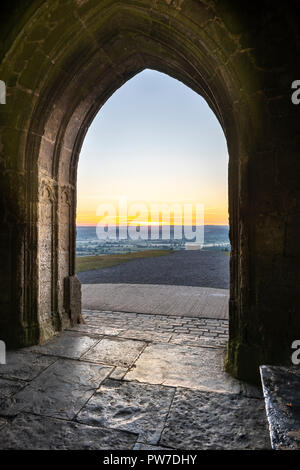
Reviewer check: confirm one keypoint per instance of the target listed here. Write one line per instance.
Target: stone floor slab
(29, 432)
(9, 388)
(138, 408)
(185, 366)
(60, 391)
(115, 352)
(95, 329)
(3, 422)
(141, 446)
(146, 335)
(25, 365)
(118, 373)
(207, 420)
(69, 345)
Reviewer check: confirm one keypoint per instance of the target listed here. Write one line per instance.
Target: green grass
(87, 263)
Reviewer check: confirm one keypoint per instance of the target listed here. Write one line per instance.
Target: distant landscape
(216, 237)
(93, 254)
(89, 263)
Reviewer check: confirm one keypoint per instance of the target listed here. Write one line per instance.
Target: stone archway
(61, 64)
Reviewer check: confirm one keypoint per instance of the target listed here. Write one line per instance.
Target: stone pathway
(129, 381)
(204, 302)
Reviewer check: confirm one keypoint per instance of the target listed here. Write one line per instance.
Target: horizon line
(161, 225)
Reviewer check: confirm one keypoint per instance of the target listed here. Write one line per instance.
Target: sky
(155, 141)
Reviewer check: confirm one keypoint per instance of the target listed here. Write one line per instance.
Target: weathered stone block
(60, 391)
(72, 296)
(138, 408)
(30, 432)
(206, 420)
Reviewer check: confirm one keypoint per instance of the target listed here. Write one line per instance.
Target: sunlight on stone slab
(184, 366)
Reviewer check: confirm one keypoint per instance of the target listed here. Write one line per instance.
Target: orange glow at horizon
(212, 216)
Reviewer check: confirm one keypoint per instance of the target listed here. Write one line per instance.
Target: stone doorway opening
(159, 145)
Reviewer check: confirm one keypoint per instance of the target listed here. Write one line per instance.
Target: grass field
(87, 263)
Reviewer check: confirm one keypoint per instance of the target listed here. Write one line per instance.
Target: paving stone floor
(129, 381)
